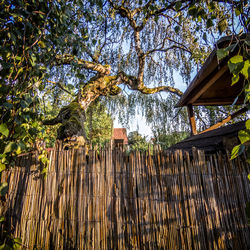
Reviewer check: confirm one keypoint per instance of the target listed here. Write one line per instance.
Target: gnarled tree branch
(69, 59)
(134, 84)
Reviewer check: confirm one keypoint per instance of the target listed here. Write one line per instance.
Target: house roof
(212, 140)
(212, 84)
(120, 134)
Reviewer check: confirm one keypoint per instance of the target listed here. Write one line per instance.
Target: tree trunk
(72, 117)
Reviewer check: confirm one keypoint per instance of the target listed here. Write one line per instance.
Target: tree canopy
(121, 50)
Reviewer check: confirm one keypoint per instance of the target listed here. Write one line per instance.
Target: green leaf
(244, 136)
(42, 44)
(222, 25)
(221, 53)
(3, 188)
(18, 241)
(19, 150)
(248, 177)
(236, 59)
(4, 130)
(209, 23)
(8, 105)
(237, 150)
(20, 71)
(236, 64)
(192, 11)
(176, 29)
(11, 146)
(248, 124)
(235, 79)
(23, 104)
(2, 167)
(237, 12)
(246, 69)
(3, 246)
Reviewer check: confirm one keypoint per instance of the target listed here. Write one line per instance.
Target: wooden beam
(218, 101)
(230, 117)
(192, 119)
(213, 79)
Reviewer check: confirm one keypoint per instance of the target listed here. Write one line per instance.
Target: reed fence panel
(114, 200)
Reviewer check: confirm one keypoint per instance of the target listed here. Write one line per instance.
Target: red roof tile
(119, 134)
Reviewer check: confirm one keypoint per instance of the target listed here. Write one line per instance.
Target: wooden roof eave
(200, 76)
(211, 71)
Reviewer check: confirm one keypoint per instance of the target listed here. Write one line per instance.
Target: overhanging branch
(134, 84)
(70, 59)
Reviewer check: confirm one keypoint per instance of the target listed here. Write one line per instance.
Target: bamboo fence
(110, 199)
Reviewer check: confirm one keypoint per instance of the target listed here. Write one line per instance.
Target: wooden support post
(191, 119)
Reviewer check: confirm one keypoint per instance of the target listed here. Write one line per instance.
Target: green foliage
(137, 142)
(166, 140)
(33, 33)
(98, 124)
(239, 65)
(4, 130)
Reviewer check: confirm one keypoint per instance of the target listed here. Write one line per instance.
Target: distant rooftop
(120, 134)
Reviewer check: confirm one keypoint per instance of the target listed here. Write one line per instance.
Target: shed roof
(212, 140)
(212, 84)
(120, 134)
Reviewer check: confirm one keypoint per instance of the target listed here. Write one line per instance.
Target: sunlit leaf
(246, 69)
(236, 64)
(4, 130)
(244, 135)
(3, 246)
(237, 150)
(248, 124)
(236, 59)
(11, 146)
(235, 79)
(2, 167)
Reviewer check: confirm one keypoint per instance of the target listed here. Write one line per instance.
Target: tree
(136, 21)
(167, 139)
(97, 47)
(98, 124)
(137, 142)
